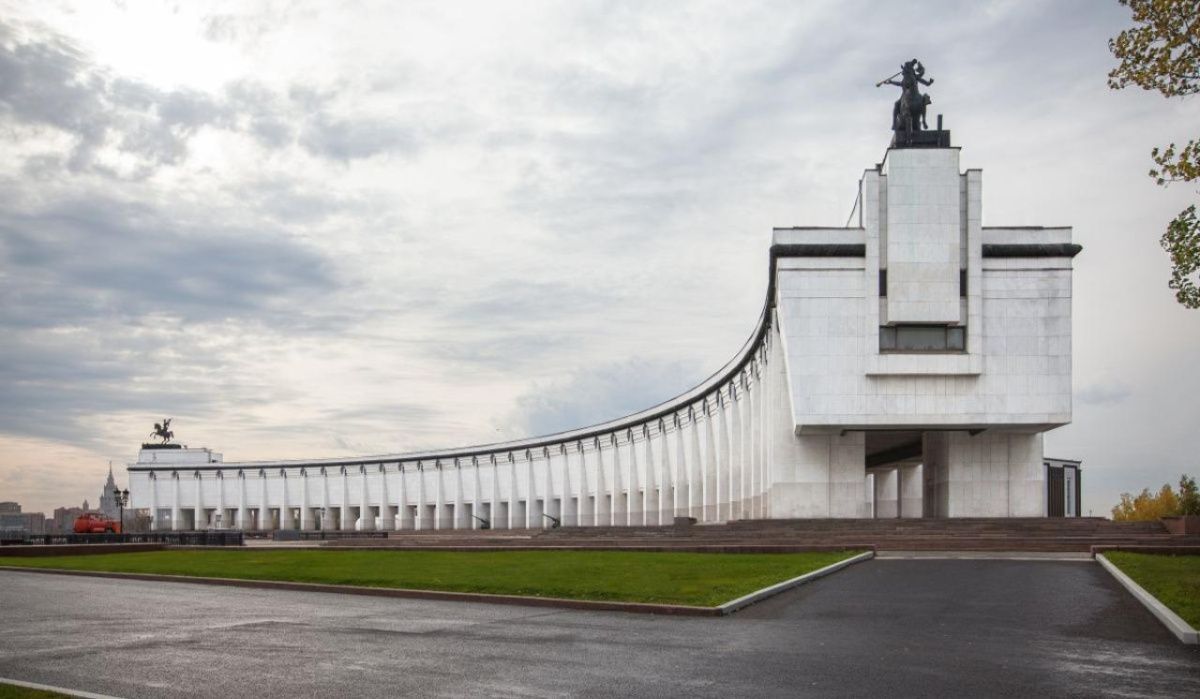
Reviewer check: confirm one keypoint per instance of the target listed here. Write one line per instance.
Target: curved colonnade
(703, 454)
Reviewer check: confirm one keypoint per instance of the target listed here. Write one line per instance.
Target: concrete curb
(1174, 623)
(441, 595)
(759, 595)
(51, 688)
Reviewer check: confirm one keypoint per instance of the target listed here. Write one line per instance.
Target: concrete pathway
(882, 628)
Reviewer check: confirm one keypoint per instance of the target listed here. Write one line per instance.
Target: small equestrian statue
(163, 431)
(909, 113)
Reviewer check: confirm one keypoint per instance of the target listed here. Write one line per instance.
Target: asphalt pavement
(882, 628)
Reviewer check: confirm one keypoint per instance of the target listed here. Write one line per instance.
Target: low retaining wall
(1188, 525)
(642, 548)
(36, 551)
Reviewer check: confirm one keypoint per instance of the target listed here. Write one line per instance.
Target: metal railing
(218, 538)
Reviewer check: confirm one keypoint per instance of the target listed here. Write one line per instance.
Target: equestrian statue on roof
(909, 113)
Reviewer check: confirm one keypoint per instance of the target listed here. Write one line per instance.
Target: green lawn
(703, 579)
(1174, 580)
(12, 691)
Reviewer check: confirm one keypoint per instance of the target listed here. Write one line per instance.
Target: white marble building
(904, 367)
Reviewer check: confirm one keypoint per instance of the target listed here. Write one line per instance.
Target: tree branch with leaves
(1161, 52)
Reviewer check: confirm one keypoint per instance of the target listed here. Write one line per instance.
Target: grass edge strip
(52, 688)
(1174, 623)
(493, 598)
(396, 592)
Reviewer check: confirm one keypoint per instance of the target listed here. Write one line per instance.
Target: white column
(744, 471)
(665, 485)
(152, 479)
(618, 514)
(477, 495)
(197, 506)
(347, 523)
(694, 486)
(220, 502)
(285, 510)
(264, 512)
(305, 502)
(584, 516)
(770, 398)
(886, 493)
(569, 508)
(912, 486)
(421, 521)
(404, 519)
(679, 507)
(735, 450)
(439, 508)
(243, 521)
(494, 514)
(760, 394)
(724, 461)
(869, 492)
(763, 398)
(711, 459)
(366, 519)
(548, 490)
(530, 496)
(387, 518)
(601, 512)
(512, 492)
(634, 507)
(326, 509)
(459, 500)
(175, 514)
(652, 497)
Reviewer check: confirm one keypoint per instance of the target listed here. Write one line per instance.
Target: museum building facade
(906, 366)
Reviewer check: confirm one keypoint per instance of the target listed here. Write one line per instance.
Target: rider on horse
(909, 111)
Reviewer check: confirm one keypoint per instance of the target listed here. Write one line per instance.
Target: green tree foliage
(1189, 496)
(1165, 503)
(1162, 52)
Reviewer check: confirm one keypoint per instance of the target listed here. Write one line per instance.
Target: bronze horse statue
(163, 431)
(909, 113)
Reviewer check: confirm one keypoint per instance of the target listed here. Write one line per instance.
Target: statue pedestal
(938, 138)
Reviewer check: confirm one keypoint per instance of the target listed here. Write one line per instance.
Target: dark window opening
(962, 283)
(883, 282)
(922, 338)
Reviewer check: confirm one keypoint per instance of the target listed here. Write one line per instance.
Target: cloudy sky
(305, 232)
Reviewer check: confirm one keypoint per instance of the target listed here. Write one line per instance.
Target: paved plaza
(882, 628)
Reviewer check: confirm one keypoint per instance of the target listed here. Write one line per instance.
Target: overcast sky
(303, 231)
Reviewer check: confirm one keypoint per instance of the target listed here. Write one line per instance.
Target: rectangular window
(962, 283)
(883, 282)
(922, 338)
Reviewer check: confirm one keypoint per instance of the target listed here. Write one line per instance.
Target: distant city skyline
(305, 231)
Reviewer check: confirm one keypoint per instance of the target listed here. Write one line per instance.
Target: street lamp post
(122, 498)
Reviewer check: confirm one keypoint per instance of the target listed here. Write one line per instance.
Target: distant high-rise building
(14, 521)
(108, 503)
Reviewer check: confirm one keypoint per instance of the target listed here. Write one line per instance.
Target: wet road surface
(882, 628)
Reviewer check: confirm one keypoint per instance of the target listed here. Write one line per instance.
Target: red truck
(93, 523)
